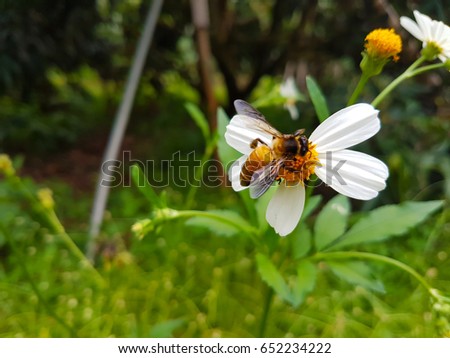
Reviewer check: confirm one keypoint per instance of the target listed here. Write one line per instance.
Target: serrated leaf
(301, 241)
(304, 282)
(388, 221)
(227, 227)
(226, 153)
(165, 329)
(356, 273)
(317, 98)
(199, 119)
(332, 221)
(141, 182)
(270, 275)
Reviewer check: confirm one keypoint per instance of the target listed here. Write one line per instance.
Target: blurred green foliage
(62, 70)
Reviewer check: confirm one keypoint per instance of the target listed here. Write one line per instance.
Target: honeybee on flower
(290, 159)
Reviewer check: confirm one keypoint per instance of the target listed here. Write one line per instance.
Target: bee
(282, 158)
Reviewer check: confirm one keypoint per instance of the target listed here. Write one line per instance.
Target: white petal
(293, 111)
(288, 88)
(438, 32)
(348, 127)
(410, 26)
(285, 208)
(241, 132)
(444, 58)
(425, 24)
(234, 173)
(353, 174)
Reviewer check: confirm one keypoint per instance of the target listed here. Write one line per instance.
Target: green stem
(409, 72)
(416, 63)
(265, 314)
(427, 68)
(55, 226)
(359, 87)
(198, 172)
(34, 287)
(343, 255)
(59, 230)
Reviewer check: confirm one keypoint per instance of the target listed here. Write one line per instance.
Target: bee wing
(254, 117)
(263, 178)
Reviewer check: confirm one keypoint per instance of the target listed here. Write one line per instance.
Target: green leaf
(165, 329)
(388, 221)
(272, 276)
(317, 98)
(304, 282)
(332, 221)
(356, 273)
(311, 204)
(301, 241)
(227, 227)
(141, 182)
(199, 119)
(226, 153)
(261, 207)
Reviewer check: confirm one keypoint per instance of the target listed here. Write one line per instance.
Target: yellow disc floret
(300, 168)
(383, 44)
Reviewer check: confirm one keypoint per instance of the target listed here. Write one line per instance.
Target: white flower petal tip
(354, 174)
(234, 173)
(346, 128)
(410, 26)
(285, 208)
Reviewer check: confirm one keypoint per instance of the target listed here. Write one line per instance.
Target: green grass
(188, 282)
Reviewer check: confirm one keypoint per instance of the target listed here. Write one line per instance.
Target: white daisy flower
(289, 90)
(435, 35)
(270, 156)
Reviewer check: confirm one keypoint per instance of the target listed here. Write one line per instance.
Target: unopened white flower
(290, 91)
(435, 35)
(351, 173)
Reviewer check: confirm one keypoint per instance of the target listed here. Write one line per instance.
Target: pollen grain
(300, 168)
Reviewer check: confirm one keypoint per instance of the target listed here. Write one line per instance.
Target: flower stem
(265, 314)
(359, 87)
(198, 172)
(409, 72)
(343, 255)
(427, 68)
(55, 226)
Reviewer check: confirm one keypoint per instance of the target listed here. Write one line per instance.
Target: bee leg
(255, 142)
(299, 132)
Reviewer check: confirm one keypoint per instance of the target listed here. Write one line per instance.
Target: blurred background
(63, 69)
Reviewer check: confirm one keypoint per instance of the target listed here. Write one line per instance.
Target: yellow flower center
(300, 168)
(383, 43)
